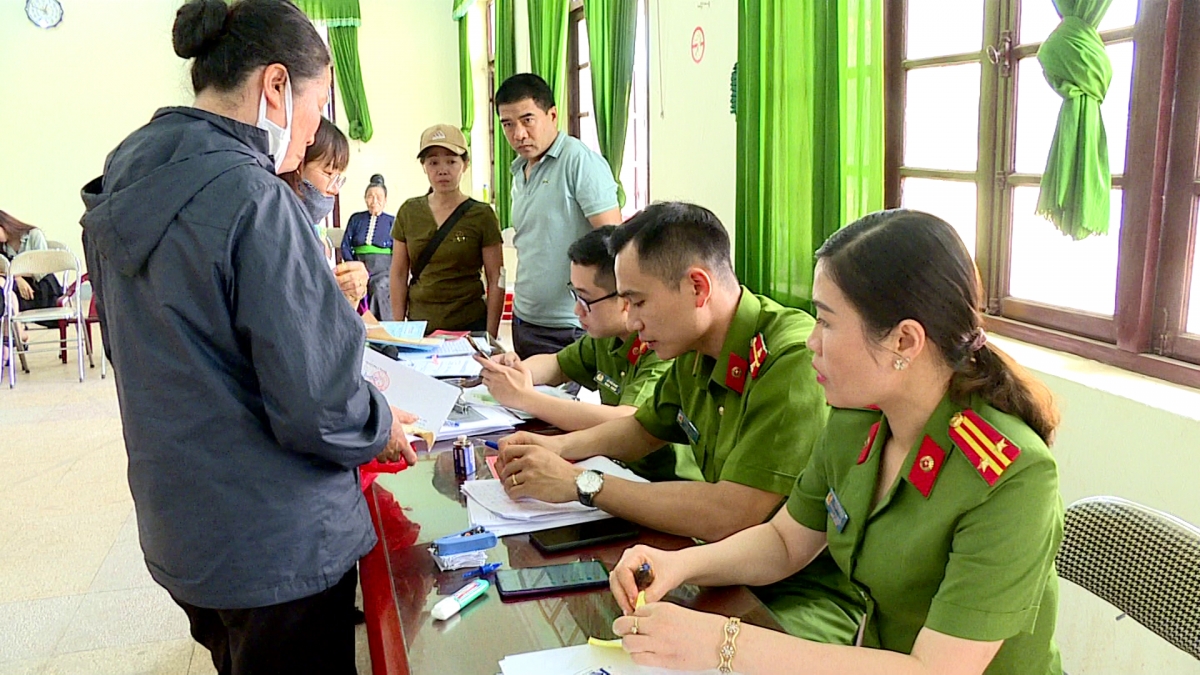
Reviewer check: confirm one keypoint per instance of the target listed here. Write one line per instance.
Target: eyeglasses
(587, 304)
(334, 181)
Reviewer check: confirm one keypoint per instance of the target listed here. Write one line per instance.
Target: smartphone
(584, 534)
(528, 581)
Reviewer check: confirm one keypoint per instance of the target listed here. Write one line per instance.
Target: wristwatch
(587, 486)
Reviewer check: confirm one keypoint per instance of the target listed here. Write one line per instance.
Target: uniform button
(721, 410)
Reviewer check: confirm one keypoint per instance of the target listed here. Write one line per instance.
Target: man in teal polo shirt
(560, 190)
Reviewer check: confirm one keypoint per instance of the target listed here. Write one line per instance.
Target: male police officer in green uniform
(741, 392)
(607, 359)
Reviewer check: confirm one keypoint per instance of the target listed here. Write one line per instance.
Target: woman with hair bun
(933, 486)
(368, 239)
(245, 418)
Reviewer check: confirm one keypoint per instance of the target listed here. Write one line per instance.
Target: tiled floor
(75, 596)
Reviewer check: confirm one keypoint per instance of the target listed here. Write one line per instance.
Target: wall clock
(44, 13)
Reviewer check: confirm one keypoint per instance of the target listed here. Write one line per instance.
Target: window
(581, 121)
(970, 121)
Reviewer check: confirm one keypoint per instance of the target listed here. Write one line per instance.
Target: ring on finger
(634, 630)
(515, 483)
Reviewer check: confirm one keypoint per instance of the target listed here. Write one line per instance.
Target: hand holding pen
(644, 570)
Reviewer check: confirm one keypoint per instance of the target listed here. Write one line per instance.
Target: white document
(452, 366)
(503, 527)
(489, 505)
(405, 388)
(579, 659)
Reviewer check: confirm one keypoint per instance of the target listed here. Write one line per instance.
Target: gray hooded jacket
(237, 363)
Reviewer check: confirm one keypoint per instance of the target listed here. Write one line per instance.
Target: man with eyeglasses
(609, 359)
(741, 392)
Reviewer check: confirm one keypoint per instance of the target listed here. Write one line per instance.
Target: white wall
(693, 136)
(71, 93)
(1133, 437)
(409, 55)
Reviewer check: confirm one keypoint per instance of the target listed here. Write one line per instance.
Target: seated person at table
(741, 391)
(932, 486)
(609, 359)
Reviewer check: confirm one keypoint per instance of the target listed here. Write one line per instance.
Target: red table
(401, 584)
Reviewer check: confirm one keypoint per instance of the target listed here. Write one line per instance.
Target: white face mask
(279, 137)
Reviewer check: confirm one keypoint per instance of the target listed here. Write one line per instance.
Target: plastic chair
(43, 262)
(56, 246)
(1143, 562)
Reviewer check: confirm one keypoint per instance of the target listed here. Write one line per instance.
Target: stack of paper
(582, 659)
(477, 421)
(490, 506)
(479, 396)
(448, 358)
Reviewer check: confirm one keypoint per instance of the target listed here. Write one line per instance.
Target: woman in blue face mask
(317, 182)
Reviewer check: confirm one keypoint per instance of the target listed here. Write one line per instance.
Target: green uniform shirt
(449, 294)
(761, 437)
(971, 560)
(625, 374)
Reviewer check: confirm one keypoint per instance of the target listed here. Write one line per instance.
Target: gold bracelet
(732, 627)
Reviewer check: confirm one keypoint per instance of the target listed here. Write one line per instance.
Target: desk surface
(401, 584)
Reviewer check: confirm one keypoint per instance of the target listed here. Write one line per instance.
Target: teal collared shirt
(550, 210)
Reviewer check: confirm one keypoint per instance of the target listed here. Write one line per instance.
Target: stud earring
(900, 363)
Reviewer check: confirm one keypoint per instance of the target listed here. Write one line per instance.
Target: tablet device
(583, 534)
(529, 581)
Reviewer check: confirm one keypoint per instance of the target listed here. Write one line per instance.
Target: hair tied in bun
(199, 26)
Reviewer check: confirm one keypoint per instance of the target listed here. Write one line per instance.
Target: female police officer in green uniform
(932, 486)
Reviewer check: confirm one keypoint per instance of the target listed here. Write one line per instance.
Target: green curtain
(466, 78)
(332, 12)
(1075, 186)
(809, 134)
(506, 67)
(860, 98)
(612, 32)
(343, 17)
(548, 48)
(343, 42)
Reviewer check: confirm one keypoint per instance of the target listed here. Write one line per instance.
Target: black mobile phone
(528, 581)
(584, 534)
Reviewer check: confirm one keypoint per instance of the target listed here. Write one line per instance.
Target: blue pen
(483, 571)
(492, 444)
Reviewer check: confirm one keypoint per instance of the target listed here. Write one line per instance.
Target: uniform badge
(690, 429)
(836, 513)
(926, 466)
(735, 373)
(987, 449)
(607, 382)
(636, 350)
(758, 355)
(866, 451)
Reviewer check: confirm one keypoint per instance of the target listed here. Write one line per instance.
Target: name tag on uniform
(607, 382)
(690, 429)
(836, 512)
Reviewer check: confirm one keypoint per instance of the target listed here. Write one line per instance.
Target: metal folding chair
(42, 262)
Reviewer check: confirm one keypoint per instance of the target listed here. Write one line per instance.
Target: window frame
(639, 190)
(1149, 286)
